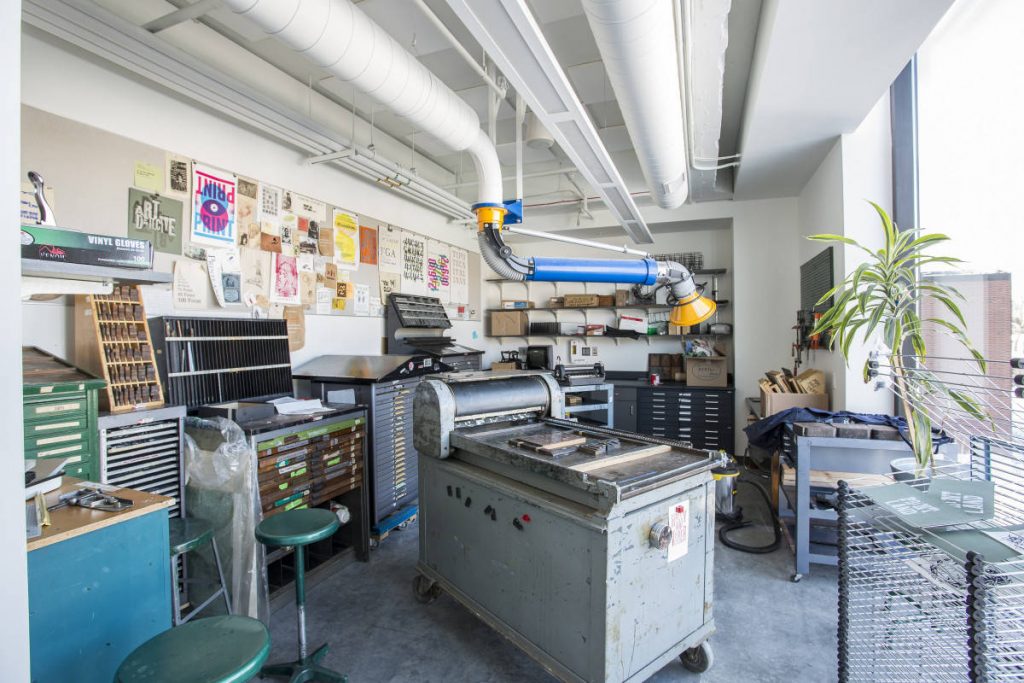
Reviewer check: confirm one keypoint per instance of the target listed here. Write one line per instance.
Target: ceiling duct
(637, 42)
(336, 36)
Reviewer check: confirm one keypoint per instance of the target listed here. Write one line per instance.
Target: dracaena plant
(884, 295)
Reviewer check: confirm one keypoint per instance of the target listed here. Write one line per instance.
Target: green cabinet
(61, 403)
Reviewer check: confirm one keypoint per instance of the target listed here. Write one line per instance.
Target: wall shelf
(79, 271)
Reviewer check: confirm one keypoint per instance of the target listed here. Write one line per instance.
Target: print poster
(389, 250)
(414, 264)
(255, 277)
(460, 276)
(367, 245)
(346, 239)
(269, 206)
(213, 207)
(155, 218)
(177, 176)
(439, 271)
(285, 280)
(246, 214)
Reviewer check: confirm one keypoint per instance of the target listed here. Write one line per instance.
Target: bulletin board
(234, 243)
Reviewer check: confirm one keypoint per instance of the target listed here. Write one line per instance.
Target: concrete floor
(769, 629)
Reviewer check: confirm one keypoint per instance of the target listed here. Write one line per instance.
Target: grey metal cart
(591, 549)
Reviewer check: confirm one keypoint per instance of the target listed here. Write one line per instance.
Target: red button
(526, 518)
(679, 509)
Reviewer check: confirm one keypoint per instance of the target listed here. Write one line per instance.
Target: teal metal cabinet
(95, 597)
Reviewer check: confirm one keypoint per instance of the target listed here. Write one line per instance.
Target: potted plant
(884, 295)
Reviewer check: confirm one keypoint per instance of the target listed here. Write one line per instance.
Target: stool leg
(300, 598)
(175, 596)
(220, 575)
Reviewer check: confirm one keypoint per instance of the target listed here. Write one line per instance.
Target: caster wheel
(404, 525)
(698, 659)
(796, 578)
(425, 590)
(374, 543)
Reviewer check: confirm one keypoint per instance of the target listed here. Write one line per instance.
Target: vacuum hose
(756, 549)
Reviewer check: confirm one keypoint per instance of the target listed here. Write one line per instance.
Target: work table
(69, 522)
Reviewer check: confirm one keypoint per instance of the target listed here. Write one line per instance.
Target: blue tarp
(767, 432)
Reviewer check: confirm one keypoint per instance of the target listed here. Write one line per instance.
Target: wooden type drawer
(279, 501)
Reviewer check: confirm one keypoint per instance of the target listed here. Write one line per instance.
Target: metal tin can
(655, 379)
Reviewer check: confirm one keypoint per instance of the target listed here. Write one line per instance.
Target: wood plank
(611, 460)
(831, 478)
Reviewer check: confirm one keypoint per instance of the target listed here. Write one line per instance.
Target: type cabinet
(704, 417)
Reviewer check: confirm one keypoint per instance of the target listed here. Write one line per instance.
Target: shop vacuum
(726, 477)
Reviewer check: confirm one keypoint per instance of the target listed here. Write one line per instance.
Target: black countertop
(276, 422)
(639, 380)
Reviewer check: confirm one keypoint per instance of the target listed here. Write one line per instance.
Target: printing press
(590, 548)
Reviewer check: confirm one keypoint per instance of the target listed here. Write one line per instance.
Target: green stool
(299, 528)
(187, 535)
(226, 649)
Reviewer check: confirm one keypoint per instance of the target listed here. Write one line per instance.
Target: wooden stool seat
(225, 649)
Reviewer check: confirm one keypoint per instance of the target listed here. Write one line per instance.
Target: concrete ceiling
(819, 68)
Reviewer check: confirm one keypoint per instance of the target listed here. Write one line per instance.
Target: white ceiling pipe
(637, 42)
(338, 37)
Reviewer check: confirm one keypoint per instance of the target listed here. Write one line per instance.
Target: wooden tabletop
(68, 522)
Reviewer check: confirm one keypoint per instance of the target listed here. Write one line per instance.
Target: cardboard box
(707, 372)
(504, 323)
(503, 366)
(582, 300)
(812, 381)
(515, 304)
(590, 330)
(621, 297)
(606, 301)
(772, 403)
(678, 330)
(44, 243)
(556, 302)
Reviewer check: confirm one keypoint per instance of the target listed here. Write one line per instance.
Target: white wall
(14, 643)
(60, 80)
(857, 168)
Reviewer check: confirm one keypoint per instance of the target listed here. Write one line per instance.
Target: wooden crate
(112, 338)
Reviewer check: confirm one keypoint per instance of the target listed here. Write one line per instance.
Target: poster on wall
(255, 277)
(284, 288)
(439, 271)
(460, 276)
(367, 245)
(177, 175)
(346, 239)
(269, 206)
(389, 250)
(213, 207)
(189, 289)
(308, 208)
(225, 268)
(414, 264)
(246, 213)
(155, 218)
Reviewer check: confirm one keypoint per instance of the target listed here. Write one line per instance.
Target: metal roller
(500, 395)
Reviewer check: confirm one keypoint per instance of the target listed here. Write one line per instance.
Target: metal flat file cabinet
(593, 554)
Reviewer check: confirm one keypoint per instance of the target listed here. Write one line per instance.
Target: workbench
(98, 586)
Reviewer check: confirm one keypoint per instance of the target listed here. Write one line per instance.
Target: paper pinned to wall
(389, 250)
(189, 289)
(388, 283)
(269, 205)
(361, 305)
(148, 177)
(376, 308)
(438, 271)
(177, 175)
(324, 299)
(284, 288)
(155, 218)
(225, 269)
(295, 320)
(213, 206)
(255, 275)
(247, 214)
(346, 239)
(460, 276)
(367, 245)
(414, 264)
(309, 208)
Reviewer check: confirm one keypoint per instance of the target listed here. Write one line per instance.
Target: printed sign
(679, 523)
(155, 218)
(213, 205)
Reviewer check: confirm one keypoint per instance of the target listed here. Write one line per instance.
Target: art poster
(247, 214)
(255, 277)
(177, 175)
(361, 305)
(307, 279)
(439, 271)
(325, 241)
(225, 268)
(188, 289)
(368, 245)
(414, 264)
(155, 218)
(331, 276)
(309, 236)
(289, 233)
(324, 299)
(388, 283)
(295, 323)
(213, 207)
(284, 288)
(346, 239)
(389, 250)
(308, 208)
(269, 205)
(460, 275)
